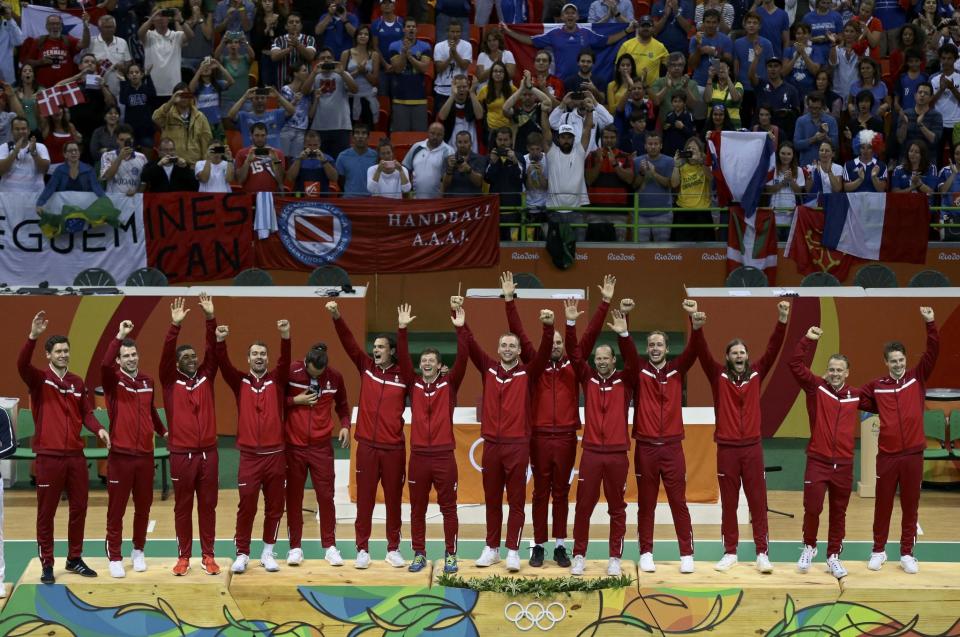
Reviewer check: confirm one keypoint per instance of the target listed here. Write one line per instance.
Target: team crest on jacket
(314, 233)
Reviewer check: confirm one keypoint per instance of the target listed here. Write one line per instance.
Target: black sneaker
(536, 556)
(80, 567)
(560, 556)
(46, 577)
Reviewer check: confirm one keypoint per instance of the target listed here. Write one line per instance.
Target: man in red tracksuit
(556, 418)
(60, 404)
(381, 448)
(192, 421)
(433, 397)
(898, 399)
(261, 397)
(736, 399)
(658, 430)
(312, 389)
(133, 419)
(833, 408)
(606, 440)
(505, 426)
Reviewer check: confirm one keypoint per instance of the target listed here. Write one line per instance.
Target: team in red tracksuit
(308, 430)
(606, 441)
(736, 400)
(505, 425)
(261, 399)
(188, 401)
(834, 415)
(900, 403)
(60, 406)
(381, 447)
(432, 443)
(133, 422)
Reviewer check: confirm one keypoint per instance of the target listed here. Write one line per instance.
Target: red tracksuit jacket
(834, 415)
(311, 425)
(383, 395)
(260, 401)
(60, 406)
(658, 403)
(432, 404)
(505, 415)
(188, 401)
(900, 403)
(133, 416)
(737, 400)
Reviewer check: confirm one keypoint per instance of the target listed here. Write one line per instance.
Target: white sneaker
(578, 565)
(910, 565)
(806, 557)
(294, 557)
(116, 569)
(836, 566)
(726, 562)
(513, 561)
(646, 563)
(268, 562)
(686, 564)
(877, 560)
(395, 560)
(240, 564)
(763, 563)
(333, 557)
(363, 559)
(139, 561)
(489, 557)
(613, 567)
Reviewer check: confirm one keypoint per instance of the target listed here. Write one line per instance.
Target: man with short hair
(565, 168)
(61, 404)
(409, 63)
(452, 56)
(582, 80)
(813, 128)
(572, 111)
(51, 55)
(781, 98)
(330, 108)
(121, 170)
(313, 170)
(652, 182)
(609, 175)
(272, 119)
(180, 120)
(292, 48)
(461, 111)
(169, 173)
(23, 165)
(774, 26)
(674, 20)
(107, 48)
(427, 163)
(708, 47)
(752, 48)
(353, 163)
(503, 172)
(464, 170)
(649, 55)
(384, 31)
(337, 27)
(946, 96)
(824, 22)
(922, 122)
(162, 48)
(260, 167)
(675, 80)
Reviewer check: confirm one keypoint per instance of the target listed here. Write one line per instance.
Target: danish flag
(70, 94)
(50, 101)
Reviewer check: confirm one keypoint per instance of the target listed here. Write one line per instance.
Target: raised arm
(514, 324)
(459, 369)
(210, 364)
(929, 359)
(539, 362)
(688, 356)
(776, 340)
(108, 366)
(628, 349)
(282, 369)
(30, 374)
(799, 363)
(404, 318)
(592, 332)
(231, 374)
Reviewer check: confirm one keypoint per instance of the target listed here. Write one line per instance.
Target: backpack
(561, 244)
(8, 436)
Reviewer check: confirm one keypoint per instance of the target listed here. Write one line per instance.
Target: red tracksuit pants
(128, 474)
(653, 463)
(552, 459)
(836, 481)
(437, 470)
(258, 472)
(505, 466)
(906, 471)
(54, 474)
(378, 466)
(736, 467)
(195, 473)
(318, 462)
(609, 470)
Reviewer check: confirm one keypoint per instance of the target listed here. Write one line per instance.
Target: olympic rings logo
(534, 614)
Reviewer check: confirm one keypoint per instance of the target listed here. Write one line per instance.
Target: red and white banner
(51, 101)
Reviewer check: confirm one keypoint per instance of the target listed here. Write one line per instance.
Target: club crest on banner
(314, 233)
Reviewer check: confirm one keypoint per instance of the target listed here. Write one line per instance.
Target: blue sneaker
(419, 563)
(450, 563)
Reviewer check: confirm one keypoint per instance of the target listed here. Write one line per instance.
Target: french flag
(878, 226)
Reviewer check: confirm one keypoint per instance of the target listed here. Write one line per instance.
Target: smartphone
(313, 154)
(186, 95)
(328, 66)
(262, 91)
(576, 95)
(128, 143)
(686, 154)
(220, 149)
(260, 152)
(168, 13)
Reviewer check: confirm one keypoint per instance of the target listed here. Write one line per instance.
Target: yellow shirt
(694, 189)
(614, 94)
(648, 57)
(495, 117)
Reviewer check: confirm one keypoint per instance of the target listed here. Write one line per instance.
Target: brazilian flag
(73, 219)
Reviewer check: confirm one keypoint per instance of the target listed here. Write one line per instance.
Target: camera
(312, 154)
(261, 152)
(686, 154)
(576, 95)
(168, 13)
(128, 143)
(219, 149)
(328, 66)
(460, 160)
(262, 91)
(341, 10)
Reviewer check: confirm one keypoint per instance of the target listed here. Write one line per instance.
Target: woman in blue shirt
(72, 175)
(917, 173)
(870, 80)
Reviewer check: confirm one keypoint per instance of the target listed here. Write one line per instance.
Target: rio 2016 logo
(314, 233)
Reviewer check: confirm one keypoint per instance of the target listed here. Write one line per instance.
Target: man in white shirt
(946, 95)
(451, 57)
(107, 46)
(572, 112)
(426, 161)
(565, 169)
(10, 37)
(121, 169)
(215, 173)
(23, 162)
(161, 48)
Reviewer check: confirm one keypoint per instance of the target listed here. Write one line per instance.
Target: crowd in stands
(417, 99)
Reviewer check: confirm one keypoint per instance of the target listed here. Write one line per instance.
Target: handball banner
(383, 235)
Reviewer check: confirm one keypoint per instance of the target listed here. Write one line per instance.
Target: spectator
(845, 62)
(799, 65)
(200, 46)
(136, 96)
(814, 127)
(832, 103)
(259, 166)
(922, 122)
(824, 24)
(826, 176)
(267, 26)
(904, 93)
(10, 37)
(910, 37)
(336, 27)
(864, 173)
(313, 170)
(869, 30)
(27, 90)
(464, 169)
(57, 132)
(723, 90)
(72, 175)
(861, 118)
(634, 139)
(451, 56)
(426, 162)
(718, 121)
(493, 49)
(169, 173)
(946, 96)
(237, 60)
(870, 80)
(765, 124)
(51, 55)
(233, 16)
(524, 108)
(535, 184)
(409, 63)
(892, 15)
(493, 96)
(784, 187)
(24, 163)
(388, 177)
(330, 109)
(542, 79)
(782, 98)
(649, 55)
(503, 173)
(88, 113)
(565, 170)
(947, 184)
(917, 173)
(449, 13)
(210, 80)
(216, 172)
(653, 171)
(386, 30)
(462, 111)
(110, 52)
(723, 9)
(273, 118)
(678, 126)
(694, 178)
(624, 77)
(603, 11)
(634, 100)
(674, 20)
(181, 120)
(608, 173)
(582, 81)
(297, 92)
(293, 48)
(748, 50)
(774, 26)
(162, 48)
(573, 110)
(105, 137)
(8, 99)
(122, 167)
(362, 62)
(709, 48)
(675, 80)
(353, 163)
(508, 11)
(927, 23)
